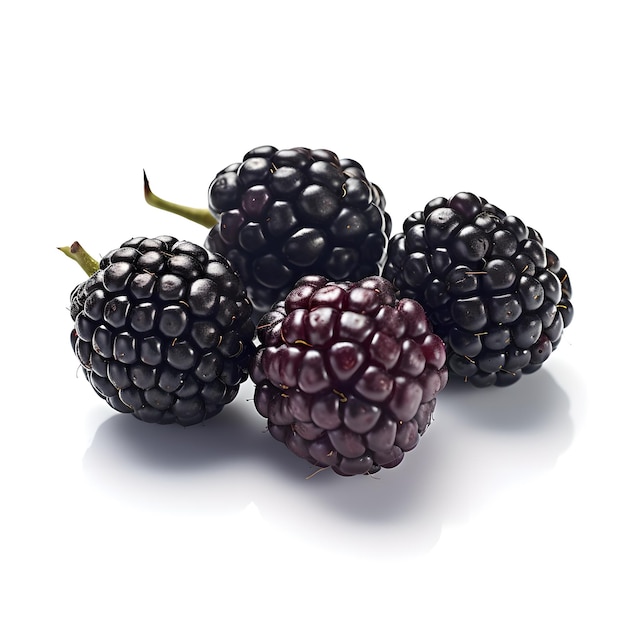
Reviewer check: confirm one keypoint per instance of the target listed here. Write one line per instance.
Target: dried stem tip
(80, 255)
(204, 217)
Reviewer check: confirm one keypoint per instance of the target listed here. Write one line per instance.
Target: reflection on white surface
(482, 441)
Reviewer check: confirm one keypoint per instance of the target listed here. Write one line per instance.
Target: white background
(510, 509)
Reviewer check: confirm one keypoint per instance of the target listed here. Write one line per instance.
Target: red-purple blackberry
(283, 214)
(162, 329)
(491, 289)
(346, 374)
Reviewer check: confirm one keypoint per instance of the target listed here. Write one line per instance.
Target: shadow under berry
(479, 444)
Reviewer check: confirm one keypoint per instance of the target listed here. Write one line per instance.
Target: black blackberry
(162, 329)
(346, 374)
(283, 214)
(495, 294)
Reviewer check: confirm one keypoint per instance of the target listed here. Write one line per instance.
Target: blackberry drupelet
(491, 289)
(346, 374)
(162, 329)
(279, 215)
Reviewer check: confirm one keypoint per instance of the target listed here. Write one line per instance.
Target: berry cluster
(283, 214)
(347, 374)
(496, 295)
(162, 330)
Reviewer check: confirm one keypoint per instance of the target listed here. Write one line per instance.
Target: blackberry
(162, 329)
(346, 374)
(279, 215)
(492, 290)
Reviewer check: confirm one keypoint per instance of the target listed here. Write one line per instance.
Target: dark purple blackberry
(491, 289)
(346, 374)
(162, 329)
(283, 214)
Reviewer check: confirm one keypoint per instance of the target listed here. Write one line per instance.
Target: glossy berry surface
(283, 214)
(492, 290)
(346, 374)
(162, 330)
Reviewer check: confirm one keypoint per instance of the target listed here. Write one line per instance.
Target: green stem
(204, 217)
(79, 254)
